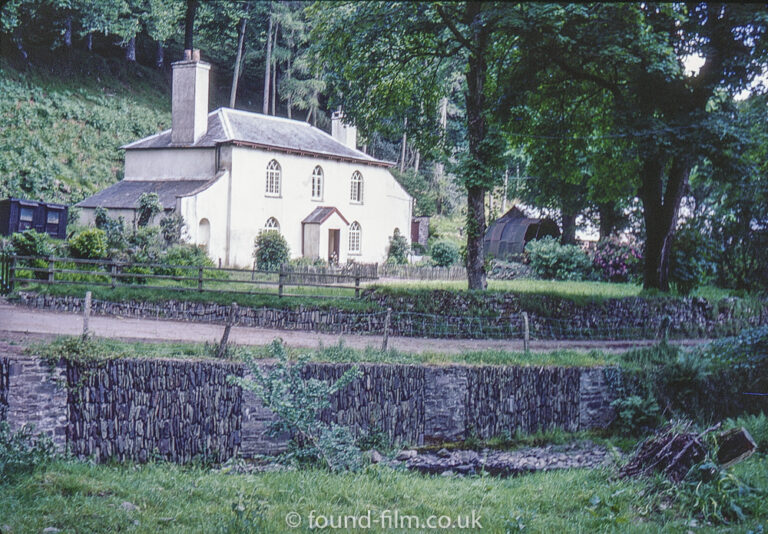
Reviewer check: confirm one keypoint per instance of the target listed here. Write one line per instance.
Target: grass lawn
(81, 497)
(573, 290)
(110, 348)
(343, 299)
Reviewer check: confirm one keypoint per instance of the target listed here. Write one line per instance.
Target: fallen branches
(674, 450)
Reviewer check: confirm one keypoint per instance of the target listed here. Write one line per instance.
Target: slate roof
(227, 125)
(126, 193)
(321, 214)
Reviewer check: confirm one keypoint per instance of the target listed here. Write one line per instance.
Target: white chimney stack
(344, 133)
(189, 105)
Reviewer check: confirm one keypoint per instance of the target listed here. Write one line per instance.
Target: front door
(333, 246)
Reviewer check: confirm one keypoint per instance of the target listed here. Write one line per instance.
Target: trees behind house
(594, 98)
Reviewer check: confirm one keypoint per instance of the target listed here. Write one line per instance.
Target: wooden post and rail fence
(321, 283)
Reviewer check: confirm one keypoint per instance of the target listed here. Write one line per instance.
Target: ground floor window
(354, 238)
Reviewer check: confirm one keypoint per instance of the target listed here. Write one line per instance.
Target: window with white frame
(273, 178)
(317, 183)
(272, 225)
(356, 188)
(354, 238)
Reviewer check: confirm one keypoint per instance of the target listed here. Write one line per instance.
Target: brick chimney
(189, 105)
(344, 133)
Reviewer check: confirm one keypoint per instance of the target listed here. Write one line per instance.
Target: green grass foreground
(81, 497)
(102, 348)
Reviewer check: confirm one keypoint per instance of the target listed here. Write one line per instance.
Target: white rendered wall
(385, 205)
(210, 204)
(170, 164)
(88, 216)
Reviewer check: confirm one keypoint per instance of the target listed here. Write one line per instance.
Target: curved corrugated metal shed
(507, 236)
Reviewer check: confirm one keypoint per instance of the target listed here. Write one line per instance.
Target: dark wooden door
(333, 246)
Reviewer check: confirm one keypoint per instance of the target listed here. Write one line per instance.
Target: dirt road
(18, 321)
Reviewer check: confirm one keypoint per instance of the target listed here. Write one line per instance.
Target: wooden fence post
(200, 279)
(12, 274)
(385, 340)
(113, 274)
(221, 352)
(526, 332)
(50, 271)
(86, 314)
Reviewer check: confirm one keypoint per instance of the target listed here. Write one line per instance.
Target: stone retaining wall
(498, 316)
(135, 409)
(35, 395)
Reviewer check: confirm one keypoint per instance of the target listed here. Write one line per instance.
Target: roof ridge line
(225, 122)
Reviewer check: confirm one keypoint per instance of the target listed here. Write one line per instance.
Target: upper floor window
(354, 238)
(356, 188)
(317, 183)
(272, 225)
(273, 178)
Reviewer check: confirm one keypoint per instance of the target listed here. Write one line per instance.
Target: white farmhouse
(231, 174)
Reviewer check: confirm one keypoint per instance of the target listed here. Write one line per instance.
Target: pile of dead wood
(675, 449)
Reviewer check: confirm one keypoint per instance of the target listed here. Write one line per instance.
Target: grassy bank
(108, 348)
(81, 497)
(121, 294)
(63, 121)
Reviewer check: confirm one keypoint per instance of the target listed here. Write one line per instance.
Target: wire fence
(521, 326)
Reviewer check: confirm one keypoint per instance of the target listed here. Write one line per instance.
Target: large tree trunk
(660, 209)
(476, 132)
(238, 59)
(475, 231)
(267, 68)
(189, 25)
(89, 42)
(569, 229)
(610, 217)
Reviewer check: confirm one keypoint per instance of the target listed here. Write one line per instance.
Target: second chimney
(189, 105)
(344, 133)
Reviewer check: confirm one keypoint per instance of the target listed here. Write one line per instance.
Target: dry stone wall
(487, 316)
(135, 409)
(139, 409)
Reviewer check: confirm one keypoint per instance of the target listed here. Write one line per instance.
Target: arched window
(356, 188)
(317, 183)
(272, 225)
(354, 238)
(273, 178)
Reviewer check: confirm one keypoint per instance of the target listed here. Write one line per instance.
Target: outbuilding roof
(126, 193)
(245, 128)
(508, 235)
(321, 214)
